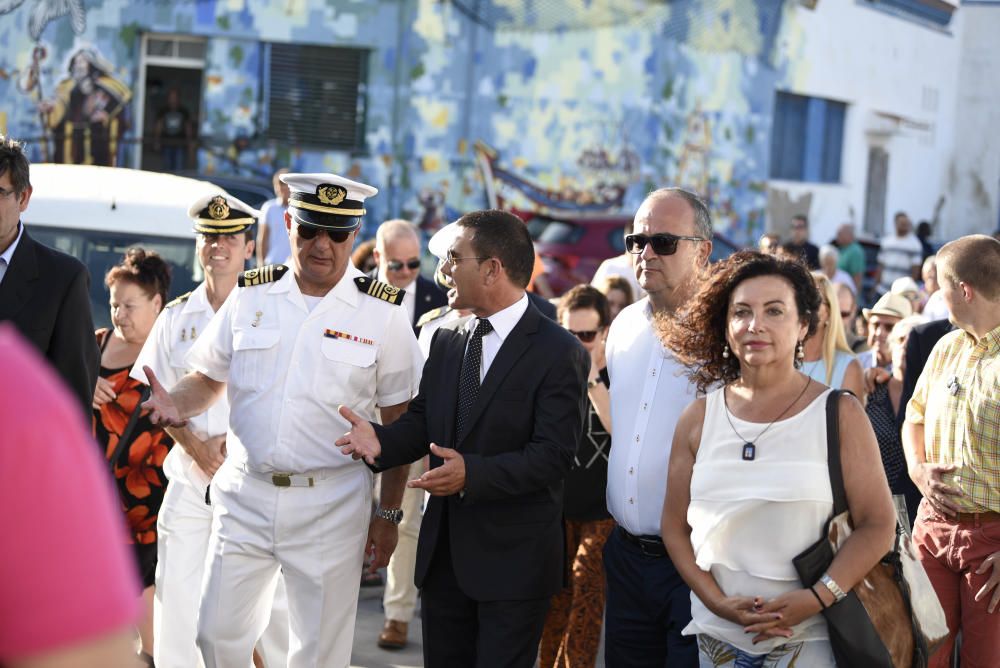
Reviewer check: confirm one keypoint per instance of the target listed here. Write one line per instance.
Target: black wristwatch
(394, 515)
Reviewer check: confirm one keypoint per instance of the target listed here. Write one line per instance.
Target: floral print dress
(138, 471)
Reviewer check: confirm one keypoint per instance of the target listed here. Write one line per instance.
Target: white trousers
(183, 528)
(400, 598)
(315, 535)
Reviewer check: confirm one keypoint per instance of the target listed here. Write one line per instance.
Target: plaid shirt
(957, 398)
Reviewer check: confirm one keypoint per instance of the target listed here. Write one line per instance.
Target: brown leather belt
(975, 518)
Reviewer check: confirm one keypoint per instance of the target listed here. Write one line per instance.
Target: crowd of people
(646, 453)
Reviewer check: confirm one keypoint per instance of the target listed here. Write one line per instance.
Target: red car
(571, 249)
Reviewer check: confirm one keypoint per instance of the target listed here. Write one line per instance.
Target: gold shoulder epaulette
(380, 290)
(433, 314)
(266, 274)
(180, 300)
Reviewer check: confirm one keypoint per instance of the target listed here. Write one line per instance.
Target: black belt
(650, 546)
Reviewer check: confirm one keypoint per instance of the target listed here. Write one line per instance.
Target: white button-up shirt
(289, 367)
(503, 322)
(649, 389)
(165, 350)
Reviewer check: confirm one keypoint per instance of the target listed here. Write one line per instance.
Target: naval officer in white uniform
(289, 346)
(223, 226)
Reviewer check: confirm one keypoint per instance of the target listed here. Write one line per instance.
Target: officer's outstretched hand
(361, 440)
(160, 405)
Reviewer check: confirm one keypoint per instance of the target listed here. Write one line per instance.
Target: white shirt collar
(9, 253)
(504, 321)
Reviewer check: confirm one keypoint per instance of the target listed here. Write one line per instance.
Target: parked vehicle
(96, 213)
(253, 191)
(572, 249)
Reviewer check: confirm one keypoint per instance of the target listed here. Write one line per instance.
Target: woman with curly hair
(748, 487)
(138, 287)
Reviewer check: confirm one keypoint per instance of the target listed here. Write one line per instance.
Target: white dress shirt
(649, 390)
(165, 351)
(288, 368)
(503, 322)
(6, 256)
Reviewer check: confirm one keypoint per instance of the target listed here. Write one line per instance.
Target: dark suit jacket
(544, 306)
(918, 351)
(45, 294)
(506, 536)
(429, 297)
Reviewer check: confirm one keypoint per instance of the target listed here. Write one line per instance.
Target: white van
(96, 213)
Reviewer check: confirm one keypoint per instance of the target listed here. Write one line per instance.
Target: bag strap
(126, 437)
(833, 450)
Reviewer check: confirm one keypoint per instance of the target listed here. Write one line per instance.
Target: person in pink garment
(69, 593)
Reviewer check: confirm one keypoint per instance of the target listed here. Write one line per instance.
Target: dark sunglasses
(396, 265)
(587, 336)
(846, 314)
(309, 233)
(663, 244)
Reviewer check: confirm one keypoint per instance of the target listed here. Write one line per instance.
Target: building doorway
(875, 191)
(171, 80)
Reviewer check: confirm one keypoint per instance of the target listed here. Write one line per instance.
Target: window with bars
(807, 138)
(316, 96)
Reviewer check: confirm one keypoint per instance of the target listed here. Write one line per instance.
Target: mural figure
(87, 115)
(45, 11)
(693, 169)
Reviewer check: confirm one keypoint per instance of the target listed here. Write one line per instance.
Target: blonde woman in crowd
(828, 357)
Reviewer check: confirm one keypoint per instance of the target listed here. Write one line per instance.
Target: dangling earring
(725, 352)
(800, 354)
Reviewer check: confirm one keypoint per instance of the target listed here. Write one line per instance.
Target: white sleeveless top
(749, 519)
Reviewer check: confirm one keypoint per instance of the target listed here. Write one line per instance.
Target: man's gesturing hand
(361, 440)
(160, 405)
(444, 480)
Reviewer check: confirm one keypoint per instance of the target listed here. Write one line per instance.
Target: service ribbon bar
(334, 334)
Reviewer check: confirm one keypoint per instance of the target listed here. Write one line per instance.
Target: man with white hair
(397, 256)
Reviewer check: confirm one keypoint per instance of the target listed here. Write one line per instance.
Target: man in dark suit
(500, 409)
(397, 260)
(42, 291)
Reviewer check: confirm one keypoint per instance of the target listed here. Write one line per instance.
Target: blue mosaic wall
(675, 94)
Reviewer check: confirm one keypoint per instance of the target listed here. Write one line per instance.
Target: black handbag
(901, 638)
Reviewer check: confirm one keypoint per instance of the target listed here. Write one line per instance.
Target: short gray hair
(702, 216)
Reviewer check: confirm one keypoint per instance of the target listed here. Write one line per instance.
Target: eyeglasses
(396, 265)
(308, 232)
(586, 336)
(663, 244)
(453, 259)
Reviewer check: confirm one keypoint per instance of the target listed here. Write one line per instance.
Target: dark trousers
(461, 632)
(648, 605)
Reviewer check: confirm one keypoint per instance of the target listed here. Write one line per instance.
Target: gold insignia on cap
(218, 208)
(331, 194)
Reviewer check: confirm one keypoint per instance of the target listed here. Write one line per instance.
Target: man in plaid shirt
(952, 442)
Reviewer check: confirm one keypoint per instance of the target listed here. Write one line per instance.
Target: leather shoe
(393, 635)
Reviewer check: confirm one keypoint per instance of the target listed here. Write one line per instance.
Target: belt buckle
(281, 479)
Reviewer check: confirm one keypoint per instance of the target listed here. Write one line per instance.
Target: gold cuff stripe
(325, 209)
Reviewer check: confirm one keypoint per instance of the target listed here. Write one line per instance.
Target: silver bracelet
(833, 587)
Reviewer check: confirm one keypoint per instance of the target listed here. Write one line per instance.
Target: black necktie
(468, 384)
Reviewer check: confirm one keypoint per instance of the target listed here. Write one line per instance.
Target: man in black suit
(42, 291)
(397, 259)
(500, 409)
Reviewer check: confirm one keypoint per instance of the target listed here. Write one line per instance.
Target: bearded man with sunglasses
(397, 256)
(289, 346)
(648, 604)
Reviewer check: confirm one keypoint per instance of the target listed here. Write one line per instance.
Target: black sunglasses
(587, 336)
(396, 265)
(308, 232)
(663, 244)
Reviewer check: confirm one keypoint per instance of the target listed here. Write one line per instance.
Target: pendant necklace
(749, 447)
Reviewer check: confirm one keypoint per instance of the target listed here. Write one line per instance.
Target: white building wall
(973, 178)
(898, 78)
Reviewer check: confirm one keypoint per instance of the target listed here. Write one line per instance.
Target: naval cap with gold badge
(327, 201)
(221, 213)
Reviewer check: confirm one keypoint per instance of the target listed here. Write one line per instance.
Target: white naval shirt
(648, 393)
(288, 368)
(175, 331)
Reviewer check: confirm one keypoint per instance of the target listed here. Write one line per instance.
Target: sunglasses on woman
(663, 244)
(308, 232)
(586, 336)
(396, 265)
